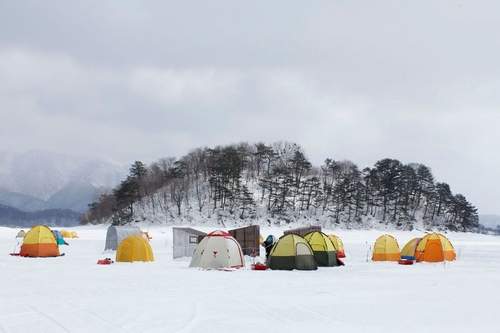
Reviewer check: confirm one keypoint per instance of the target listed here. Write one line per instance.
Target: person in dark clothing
(268, 244)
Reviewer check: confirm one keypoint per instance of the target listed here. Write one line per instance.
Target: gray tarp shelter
(185, 241)
(303, 231)
(116, 234)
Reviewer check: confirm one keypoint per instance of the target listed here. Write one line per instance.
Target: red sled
(259, 267)
(405, 262)
(106, 261)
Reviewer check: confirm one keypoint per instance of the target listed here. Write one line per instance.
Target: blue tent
(59, 238)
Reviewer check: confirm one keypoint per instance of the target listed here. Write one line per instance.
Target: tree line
(277, 182)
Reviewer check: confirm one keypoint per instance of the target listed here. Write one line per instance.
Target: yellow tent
(69, 234)
(339, 245)
(435, 247)
(134, 248)
(386, 248)
(408, 251)
(39, 242)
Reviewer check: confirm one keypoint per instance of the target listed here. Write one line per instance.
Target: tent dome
(339, 245)
(408, 251)
(386, 248)
(39, 242)
(218, 249)
(134, 248)
(116, 234)
(292, 251)
(435, 247)
(323, 248)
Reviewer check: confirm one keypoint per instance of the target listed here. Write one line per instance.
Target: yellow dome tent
(323, 249)
(39, 242)
(408, 251)
(69, 234)
(435, 247)
(386, 248)
(134, 248)
(339, 245)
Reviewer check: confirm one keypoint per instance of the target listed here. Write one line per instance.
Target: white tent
(218, 250)
(116, 234)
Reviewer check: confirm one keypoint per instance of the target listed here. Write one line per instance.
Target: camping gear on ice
(408, 251)
(435, 247)
(39, 242)
(134, 248)
(292, 252)
(59, 238)
(405, 261)
(303, 230)
(106, 261)
(248, 238)
(268, 244)
(185, 241)
(323, 249)
(21, 234)
(218, 250)
(339, 245)
(116, 234)
(259, 267)
(386, 248)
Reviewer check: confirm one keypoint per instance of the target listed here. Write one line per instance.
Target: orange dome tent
(39, 242)
(339, 245)
(435, 247)
(386, 248)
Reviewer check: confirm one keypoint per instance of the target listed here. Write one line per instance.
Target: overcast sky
(358, 80)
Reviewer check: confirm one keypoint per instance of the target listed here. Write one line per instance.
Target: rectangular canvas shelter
(116, 234)
(303, 230)
(185, 241)
(249, 239)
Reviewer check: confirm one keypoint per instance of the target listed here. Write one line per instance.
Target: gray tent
(185, 241)
(116, 234)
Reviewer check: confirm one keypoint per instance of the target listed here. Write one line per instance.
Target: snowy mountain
(40, 180)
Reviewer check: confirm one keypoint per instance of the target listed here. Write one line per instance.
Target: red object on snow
(405, 262)
(106, 261)
(259, 267)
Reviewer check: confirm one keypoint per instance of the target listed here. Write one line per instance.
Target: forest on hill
(277, 184)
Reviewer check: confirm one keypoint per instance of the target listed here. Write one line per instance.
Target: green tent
(292, 252)
(323, 249)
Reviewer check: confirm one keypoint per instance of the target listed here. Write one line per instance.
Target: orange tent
(435, 247)
(39, 242)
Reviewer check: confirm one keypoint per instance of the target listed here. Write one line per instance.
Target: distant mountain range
(10, 216)
(53, 186)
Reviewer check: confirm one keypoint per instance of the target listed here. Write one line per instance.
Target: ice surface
(74, 294)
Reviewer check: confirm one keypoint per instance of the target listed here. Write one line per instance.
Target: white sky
(359, 80)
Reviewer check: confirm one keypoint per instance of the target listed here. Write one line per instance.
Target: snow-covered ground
(73, 294)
